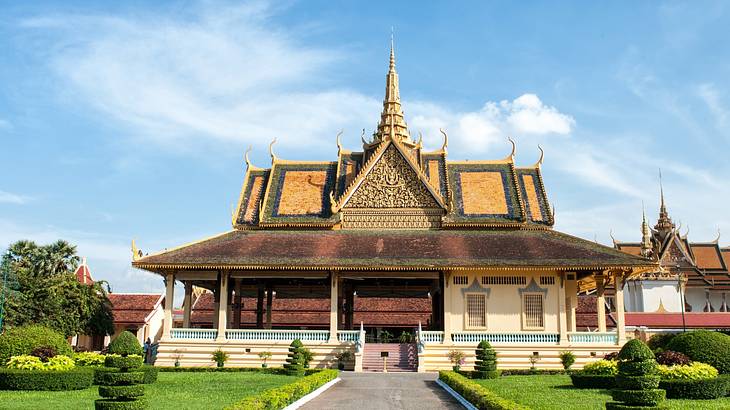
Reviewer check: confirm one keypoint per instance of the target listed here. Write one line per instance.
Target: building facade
(466, 249)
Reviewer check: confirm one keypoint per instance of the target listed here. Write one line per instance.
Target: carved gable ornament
(392, 183)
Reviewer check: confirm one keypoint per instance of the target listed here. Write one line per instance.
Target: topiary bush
(74, 379)
(670, 358)
(294, 365)
(636, 381)
(704, 346)
(23, 340)
(485, 366)
(122, 388)
(702, 389)
(658, 342)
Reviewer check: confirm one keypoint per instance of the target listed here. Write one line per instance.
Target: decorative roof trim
(532, 287)
(475, 287)
(244, 186)
(182, 246)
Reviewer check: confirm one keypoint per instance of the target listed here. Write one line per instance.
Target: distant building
(140, 313)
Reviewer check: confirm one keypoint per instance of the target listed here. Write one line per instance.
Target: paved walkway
(364, 391)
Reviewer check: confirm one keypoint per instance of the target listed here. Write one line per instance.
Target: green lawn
(556, 392)
(173, 391)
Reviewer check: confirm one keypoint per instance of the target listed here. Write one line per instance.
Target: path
(364, 391)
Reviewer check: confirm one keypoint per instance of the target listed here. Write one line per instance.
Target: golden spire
(664, 224)
(646, 246)
(392, 123)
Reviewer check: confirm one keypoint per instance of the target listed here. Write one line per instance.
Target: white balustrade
(476, 337)
(430, 336)
(348, 335)
(198, 334)
(593, 337)
(278, 335)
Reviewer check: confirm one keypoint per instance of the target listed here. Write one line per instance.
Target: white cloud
(713, 99)
(11, 198)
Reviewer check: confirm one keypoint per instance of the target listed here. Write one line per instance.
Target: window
(547, 280)
(461, 280)
(503, 280)
(533, 311)
(476, 311)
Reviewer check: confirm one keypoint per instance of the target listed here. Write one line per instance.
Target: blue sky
(130, 121)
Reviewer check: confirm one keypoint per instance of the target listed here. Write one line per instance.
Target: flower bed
(476, 394)
(280, 397)
(74, 379)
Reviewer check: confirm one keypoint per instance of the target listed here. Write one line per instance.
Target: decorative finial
(339, 146)
(271, 150)
(420, 139)
(136, 253)
(333, 203)
(610, 233)
(245, 157)
(511, 156)
(362, 137)
(392, 48)
(717, 240)
(538, 164)
(446, 140)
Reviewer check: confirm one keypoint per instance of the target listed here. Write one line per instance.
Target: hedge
(104, 404)
(532, 372)
(704, 346)
(115, 377)
(23, 340)
(478, 395)
(150, 373)
(123, 362)
(645, 382)
(75, 379)
(593, 381)
(135, 390)
(649, 397)
(207, 369)
(697, 389)
(280, 397)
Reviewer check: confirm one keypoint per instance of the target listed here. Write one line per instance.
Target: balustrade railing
(431, 336)
(198, 334)
(278, 335)
(593, 337)
(476, 337)
(348, 335)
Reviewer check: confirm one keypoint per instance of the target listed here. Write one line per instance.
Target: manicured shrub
(121, 388)
(694, 371)
(604, 367)
(567, 359)
(280, 397)
(220, 357)
(89, 359)
(530, 372)
(23, 340)
(125, 344)
(636, 379)
(485, 366)
(658, 342)
(703, 389)
(476, 394)
(593, 381)
(150, 374)
(27, 362)
(704, 346)
(295, 360)
(75, 379)
(670, 358)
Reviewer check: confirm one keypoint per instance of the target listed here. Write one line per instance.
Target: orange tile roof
(707, 256)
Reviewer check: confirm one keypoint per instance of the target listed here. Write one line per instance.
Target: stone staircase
(401, 357)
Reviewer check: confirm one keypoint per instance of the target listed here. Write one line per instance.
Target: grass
(173, 391)
(556, 392)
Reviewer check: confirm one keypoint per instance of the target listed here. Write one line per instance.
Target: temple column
(216, 303)
(260, 306)
(222, 306)
(562, 316)
(601, 302)
(620, 319)
(169, 300)
(446, 304)
(269, 304)
(571, 291)
(334, 292)
(187, 303)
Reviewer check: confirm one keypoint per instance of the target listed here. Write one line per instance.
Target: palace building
(391, 240)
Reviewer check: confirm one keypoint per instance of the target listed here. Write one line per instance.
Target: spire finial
(392, 49)
(392, 124)
(661, 190)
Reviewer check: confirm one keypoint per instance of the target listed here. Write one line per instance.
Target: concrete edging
(304, 400)
(464, 402)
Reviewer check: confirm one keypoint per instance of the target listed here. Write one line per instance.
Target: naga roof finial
(245, 157)
(271, 150)
(136, 253)
(339, 145)
(511, 156)
(446, 140)
(717, 240)
(538, 164)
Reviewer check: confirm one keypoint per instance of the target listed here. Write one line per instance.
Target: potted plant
(567, 358)
(177, 356)
(534, 358)
(307, 356)
(342, 357)
(265, 355)
(219, 357)
(385, 336)
(456, 357)
(405, 337)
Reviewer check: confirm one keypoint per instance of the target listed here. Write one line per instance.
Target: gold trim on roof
(183, 246)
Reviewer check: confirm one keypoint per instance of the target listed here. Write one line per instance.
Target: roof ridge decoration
(392, 124)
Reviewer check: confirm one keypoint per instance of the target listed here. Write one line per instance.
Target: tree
(42, 289)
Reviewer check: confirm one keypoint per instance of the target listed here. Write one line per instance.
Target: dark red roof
(83, 274)
(715, 320)
(131, 308)
(586, 316)
(385, 249)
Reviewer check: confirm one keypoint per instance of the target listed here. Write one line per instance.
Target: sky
(129, 121)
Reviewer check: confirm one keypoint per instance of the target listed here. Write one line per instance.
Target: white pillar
(562, 316)
(448, 325)
(334, 285)
(571, 292)
(187, 304)
(620, 319)
(169, 300)
(601, 302)
(222, 306)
